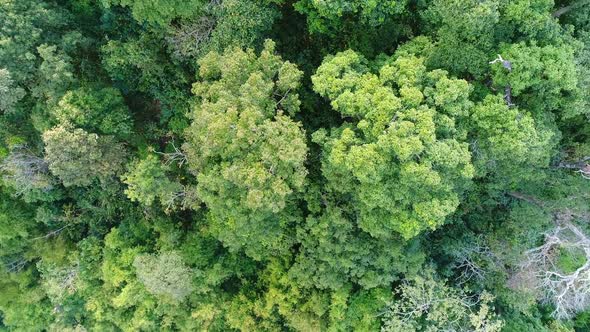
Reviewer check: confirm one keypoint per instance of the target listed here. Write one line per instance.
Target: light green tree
(427, 304)
(147, 181)
(164, 275)
(400, 157)
(247, 153)
(77, 157)
(95, 110)
(10, 94)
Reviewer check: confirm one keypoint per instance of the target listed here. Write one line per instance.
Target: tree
(241, 23)
(400, 156)
(159, 11)
(335, 252)
(557, 271)
(27, 174)
(508, 142)
(164, 275)
(148, 181)
(426, 304)
(543, 78)
(54, 74)
(140, 64)
(26, 25)
(95, 110)
(329, 17)
(464, 44)
(561, 267)
(9, 94)
(246, 152)
(78, 157)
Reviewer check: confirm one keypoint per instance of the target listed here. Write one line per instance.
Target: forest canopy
(295, 165)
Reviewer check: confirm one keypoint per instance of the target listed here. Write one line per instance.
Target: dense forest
(295, 165)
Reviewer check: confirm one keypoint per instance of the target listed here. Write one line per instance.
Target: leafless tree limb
(569, 292)
(26, 171)
(470, 261)
(16, 265)
(188, 38)
(174, 157)
(52, 233)
(567, 9)
(580, 166)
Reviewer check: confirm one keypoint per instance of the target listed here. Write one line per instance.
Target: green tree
(159, 11)
(400, 156)
(26, 25)
(78, 157)
(147, 181)
(95, 110)
(55, 74)
(242, 23)
(140, 64)
(464, 44)
(330, 17)
(164, 275)
(508, 142)
(427, 304)
(542, 79)
(335, 252)
(247, 154)
(9, 93)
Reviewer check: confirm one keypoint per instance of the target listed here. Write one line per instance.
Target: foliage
(342, 165)
(366, 261)
(247, 153)
(102, 111)
(329, 17)
(147, 181)
(164, 275)
(159, 11)
(78, 157)
(9, 94)
(399, 154)
(429, 305)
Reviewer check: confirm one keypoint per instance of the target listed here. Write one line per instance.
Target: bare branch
(26, 171)
(579, 166)
(52, 233)
(188, 38)
(527, 198)
(567, 9)
(569, 292)
(174, 157)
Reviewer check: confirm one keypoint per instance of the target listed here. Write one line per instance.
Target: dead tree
(26, 171)
(175, 157)
(507, 89)
(569, 8)
(473, 259)
(187, 40)
(569, 292)
(581, 166)
(505, 63)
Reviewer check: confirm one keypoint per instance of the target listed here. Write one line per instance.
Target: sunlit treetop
(400, 155)
(244, 149)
